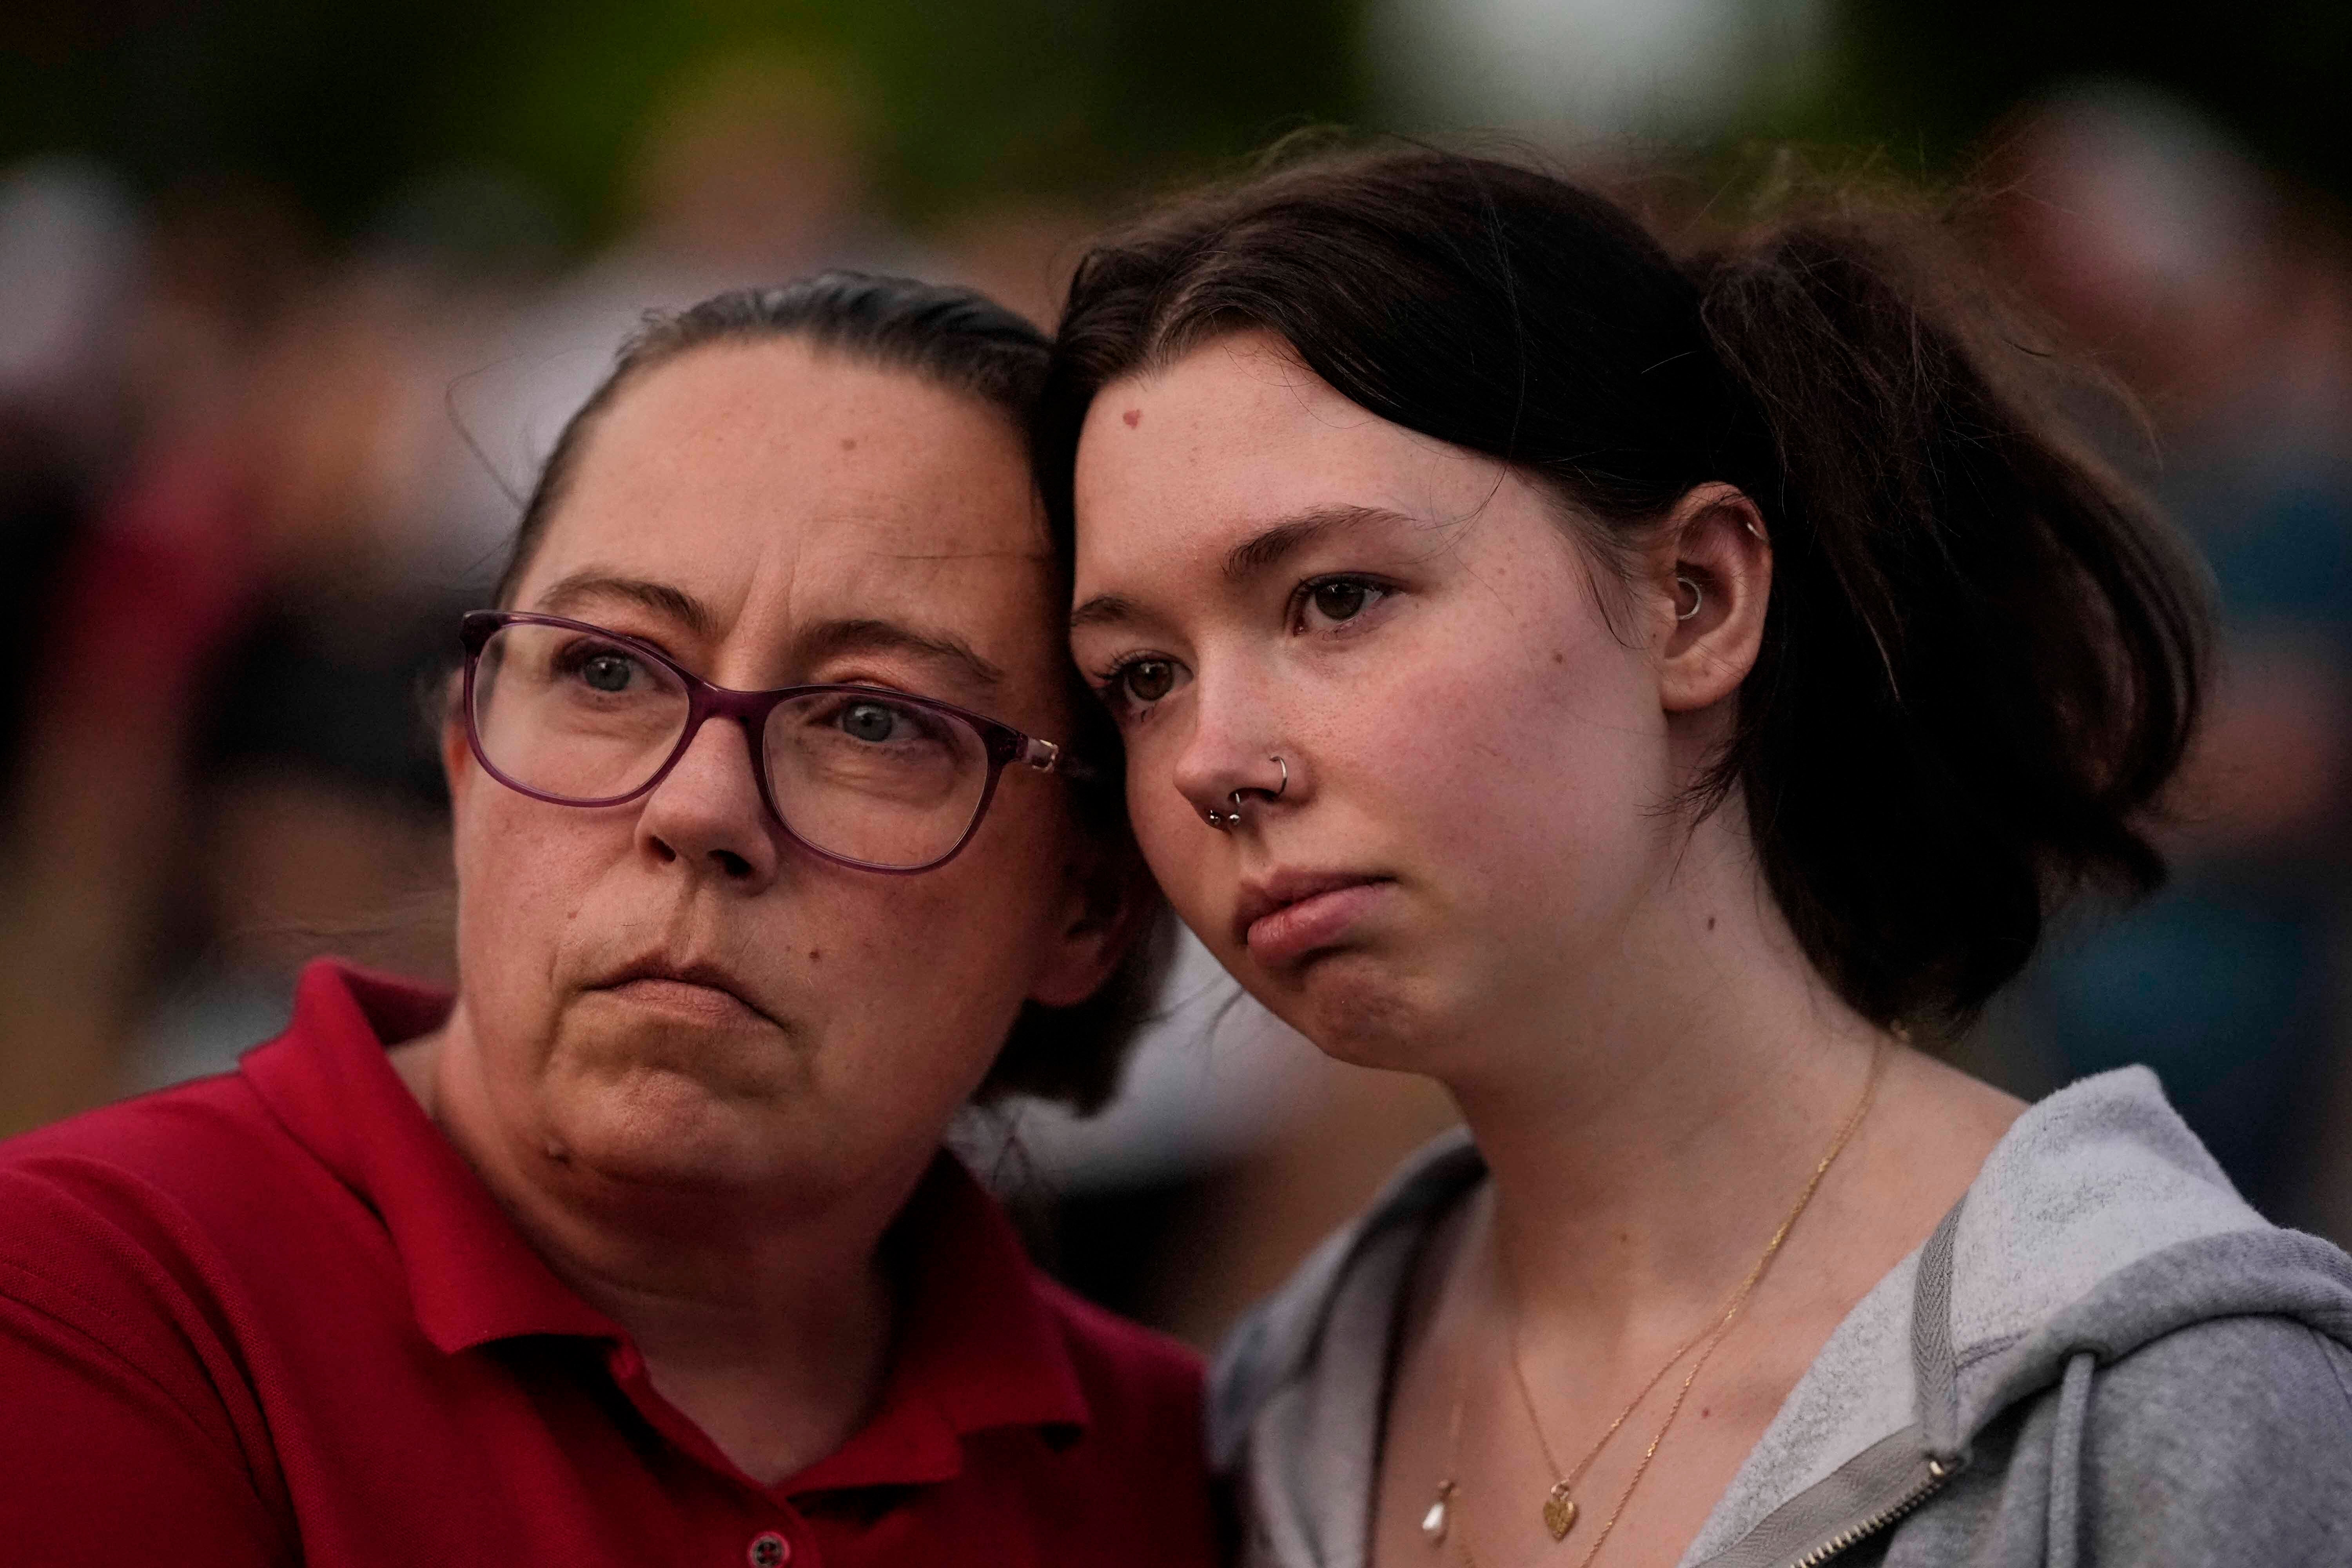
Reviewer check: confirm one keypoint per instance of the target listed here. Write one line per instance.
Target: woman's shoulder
(121, 1233)
(2227, 1441)
(1332, 1318)
(126, 1221)
(2258, 1398)
(165, 1155)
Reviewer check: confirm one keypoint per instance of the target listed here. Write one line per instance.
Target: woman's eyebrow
(831, 639)
(580, 589)
(1260, 552)
(1268, 549)
(1102, 610)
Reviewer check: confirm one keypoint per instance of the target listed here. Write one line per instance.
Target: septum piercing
(1223, 821)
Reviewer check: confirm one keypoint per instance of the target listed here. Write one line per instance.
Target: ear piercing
(1223, 821)
(1697, 599)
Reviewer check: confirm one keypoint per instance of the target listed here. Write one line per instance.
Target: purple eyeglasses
(567, 712)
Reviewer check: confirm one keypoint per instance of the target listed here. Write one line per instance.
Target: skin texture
(1487, 725)
(714, 1163)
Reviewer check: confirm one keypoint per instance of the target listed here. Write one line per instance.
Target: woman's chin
(1356, 1011)
(658, 1128)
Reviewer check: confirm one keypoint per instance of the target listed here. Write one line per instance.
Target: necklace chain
(1560, 1508)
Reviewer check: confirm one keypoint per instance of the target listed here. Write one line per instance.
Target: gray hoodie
(2102, 1356)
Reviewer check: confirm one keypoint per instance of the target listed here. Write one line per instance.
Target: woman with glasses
(1661, 697)
(782, 832)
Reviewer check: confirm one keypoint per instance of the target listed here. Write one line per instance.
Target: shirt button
(768, 1550)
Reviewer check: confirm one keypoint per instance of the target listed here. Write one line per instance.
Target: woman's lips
(703, 1003)
(1290, 933)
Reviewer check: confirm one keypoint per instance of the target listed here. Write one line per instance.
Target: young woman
(1658, 697)
(773, 849)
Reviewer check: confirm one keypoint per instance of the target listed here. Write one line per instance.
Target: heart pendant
(1559, 1511)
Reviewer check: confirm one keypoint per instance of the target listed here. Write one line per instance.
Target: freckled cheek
(1489, 760)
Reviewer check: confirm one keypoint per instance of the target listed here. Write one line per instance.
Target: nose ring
(1277, 793)
(1223, 821)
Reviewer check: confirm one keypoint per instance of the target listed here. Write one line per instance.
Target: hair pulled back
(954, 338)
(966, 342)
(1982, 657)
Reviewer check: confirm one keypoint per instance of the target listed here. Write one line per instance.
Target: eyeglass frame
(1003, 744)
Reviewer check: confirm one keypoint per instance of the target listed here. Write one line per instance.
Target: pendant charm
(1433, 1522)
(1559, 1511)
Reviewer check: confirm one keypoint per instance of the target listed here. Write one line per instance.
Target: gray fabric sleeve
(2226, 1442)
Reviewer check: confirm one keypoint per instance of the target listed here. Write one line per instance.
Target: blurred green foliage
(335, 105)
(1929, 80)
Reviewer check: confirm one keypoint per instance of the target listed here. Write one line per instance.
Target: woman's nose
(1234, 754)
(707, 813)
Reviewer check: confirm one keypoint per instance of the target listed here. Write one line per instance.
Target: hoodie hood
(2097, 1225)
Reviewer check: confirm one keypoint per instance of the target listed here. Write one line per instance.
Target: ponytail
(1981, 654)
(1980, 663)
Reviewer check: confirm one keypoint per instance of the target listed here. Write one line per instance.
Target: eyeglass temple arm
(1047, 757)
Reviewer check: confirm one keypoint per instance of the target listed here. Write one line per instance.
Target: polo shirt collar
(977, 1345)
(472, 1277)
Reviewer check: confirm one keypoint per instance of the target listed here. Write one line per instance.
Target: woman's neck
(1648, 1130)
(768, 1325)
(1648, 1125)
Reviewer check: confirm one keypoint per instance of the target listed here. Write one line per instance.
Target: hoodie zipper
(1939, 1472)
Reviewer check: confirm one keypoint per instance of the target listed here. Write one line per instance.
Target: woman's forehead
(1237, 437)
(773, 485)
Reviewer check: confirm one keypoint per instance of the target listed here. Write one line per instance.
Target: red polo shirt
(274, 1317)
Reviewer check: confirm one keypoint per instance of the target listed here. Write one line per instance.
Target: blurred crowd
(2225, 306)
(248, 479)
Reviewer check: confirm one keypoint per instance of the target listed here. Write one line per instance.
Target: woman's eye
(1340, 599)
(1148, 679)
(607, 672)
(871, 721)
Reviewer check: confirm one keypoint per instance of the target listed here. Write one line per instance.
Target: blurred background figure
(293, 299)
(72, 251)
(2167, 252)
(746, 169)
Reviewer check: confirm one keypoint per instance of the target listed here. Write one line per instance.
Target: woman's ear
(1110, 900)
(1709, 576)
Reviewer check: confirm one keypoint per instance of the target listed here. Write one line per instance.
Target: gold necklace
(1559, 1508)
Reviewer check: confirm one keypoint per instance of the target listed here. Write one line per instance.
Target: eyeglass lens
(582, 719)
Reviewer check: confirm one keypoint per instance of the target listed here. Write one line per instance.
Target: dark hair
(964, 342)
(1982, 657)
